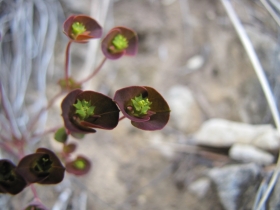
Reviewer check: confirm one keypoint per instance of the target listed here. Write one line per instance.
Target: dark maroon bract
(42, 167)
(81, 28)
(105, 114)
(144, 106)
(10, 181)
(118, 42)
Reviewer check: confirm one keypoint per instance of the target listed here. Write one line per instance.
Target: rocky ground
(218, 145)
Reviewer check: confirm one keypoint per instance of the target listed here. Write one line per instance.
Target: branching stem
(121, 118)
(67, 58)
(94, 72)
(51, 102)
(34, 191)
(8, 149)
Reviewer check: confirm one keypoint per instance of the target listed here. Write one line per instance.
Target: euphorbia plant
(83, 112)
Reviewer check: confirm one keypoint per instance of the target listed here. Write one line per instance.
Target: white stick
(271, 11)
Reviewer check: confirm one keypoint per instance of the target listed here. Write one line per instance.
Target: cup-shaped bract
(81, 28)
(118, 42)
(144, 106)
(41, 167)
(10, 181)
(83, 111)
(80, 166)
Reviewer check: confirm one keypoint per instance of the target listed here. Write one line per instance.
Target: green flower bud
(80, 164)
(140, 106)
(84, 109)
(43, 164)
(78, 28)
(120, 42)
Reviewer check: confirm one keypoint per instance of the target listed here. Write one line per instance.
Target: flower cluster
(83, 112)
(118, 42)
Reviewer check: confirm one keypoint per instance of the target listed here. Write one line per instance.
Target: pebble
(247, 153)
(185, 112)
(200, 187)
(224, 133)
(236, 185)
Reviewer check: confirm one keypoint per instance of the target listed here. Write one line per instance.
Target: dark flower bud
(10, 181)
(118, 42)
(83, 111)
(144, 106)
(80, 166)
(69, 148)
(42, 167)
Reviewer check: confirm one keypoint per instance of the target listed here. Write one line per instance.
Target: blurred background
(220, 142)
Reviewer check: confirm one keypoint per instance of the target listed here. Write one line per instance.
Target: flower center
(78, 28)
(140, 106)
(79, 164)
(84, 109)
(6, 173)
(120, 42)
(43, 164)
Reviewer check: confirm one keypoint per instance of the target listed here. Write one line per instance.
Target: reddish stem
(37, 116)
(51, 130)
(34, 191)
(94, 72)
(8, 149)
(67, 58)
(121, 118)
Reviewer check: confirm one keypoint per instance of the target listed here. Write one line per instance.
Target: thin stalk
(67, 58)
(21, 150)
(121, 118)
(51, 130)
(265, 86)
(34, 191)
(94, 72)
(51, 102)
(8, 149)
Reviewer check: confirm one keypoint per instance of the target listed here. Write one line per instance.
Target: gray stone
(195, 62)
(247, 153)
(185, 113)
(224, 133)
(236, 185)
(274, 201)
(200, 187)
